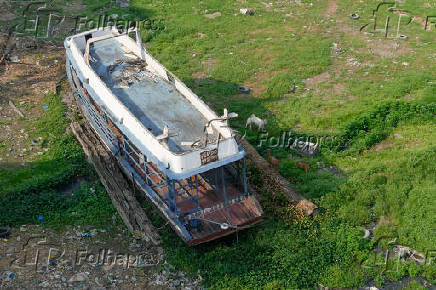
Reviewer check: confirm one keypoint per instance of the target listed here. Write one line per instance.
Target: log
(274, 180)
(119, 187)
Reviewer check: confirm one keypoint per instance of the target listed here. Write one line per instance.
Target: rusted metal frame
(223, 181)
(244, 174)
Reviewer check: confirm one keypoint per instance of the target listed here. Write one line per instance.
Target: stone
(212, 15)
(14, 58)
(79, 277)
(246, 11)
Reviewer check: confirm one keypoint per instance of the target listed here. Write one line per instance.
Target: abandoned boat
(183, 155)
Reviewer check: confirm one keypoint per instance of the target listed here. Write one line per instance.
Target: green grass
(33, 190)
(272, 52)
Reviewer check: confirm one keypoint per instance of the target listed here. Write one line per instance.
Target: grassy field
(374, 96)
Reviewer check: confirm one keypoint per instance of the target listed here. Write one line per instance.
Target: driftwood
(16, 109)
(275, 181)
(119, 187)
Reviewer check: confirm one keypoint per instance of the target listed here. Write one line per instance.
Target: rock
(45, 284)
(397, 136)
(213, 15)
(246, 11)
(122, 3)
(79, 277)
(14, 58)
(305, 148)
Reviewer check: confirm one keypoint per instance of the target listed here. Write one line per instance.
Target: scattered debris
(46, 107)
(353, 62)
(408, 254)
(79, 277)
(14, 59)
(244, 90)
(304, 148)
(354, 16)
(335, 48)
(246, 11)
(11, 103)
(293, 89)
(367, 234)
(122, 3)
(4, 232)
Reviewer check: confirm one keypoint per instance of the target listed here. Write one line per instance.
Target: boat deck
(153, 100)
(229, 207)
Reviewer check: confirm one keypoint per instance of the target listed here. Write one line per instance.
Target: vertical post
(125, 148)
(173, 188)
(139, 42)
(196, 185)
(223, 181)
(216, 181)
(170, 195)
(147, 171)
(244, 173)
(238, 172)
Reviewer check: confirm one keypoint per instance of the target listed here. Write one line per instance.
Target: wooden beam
(273, 180)
(119, 187)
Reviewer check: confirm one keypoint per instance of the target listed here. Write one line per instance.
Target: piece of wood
(119, 187)
(272, 178)
(16, 109)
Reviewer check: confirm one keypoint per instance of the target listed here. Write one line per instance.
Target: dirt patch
(339, 88)
(84, 257)
(312, 82)
(25, 82)
(383, 146)
(388, 48)
(332, 8)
